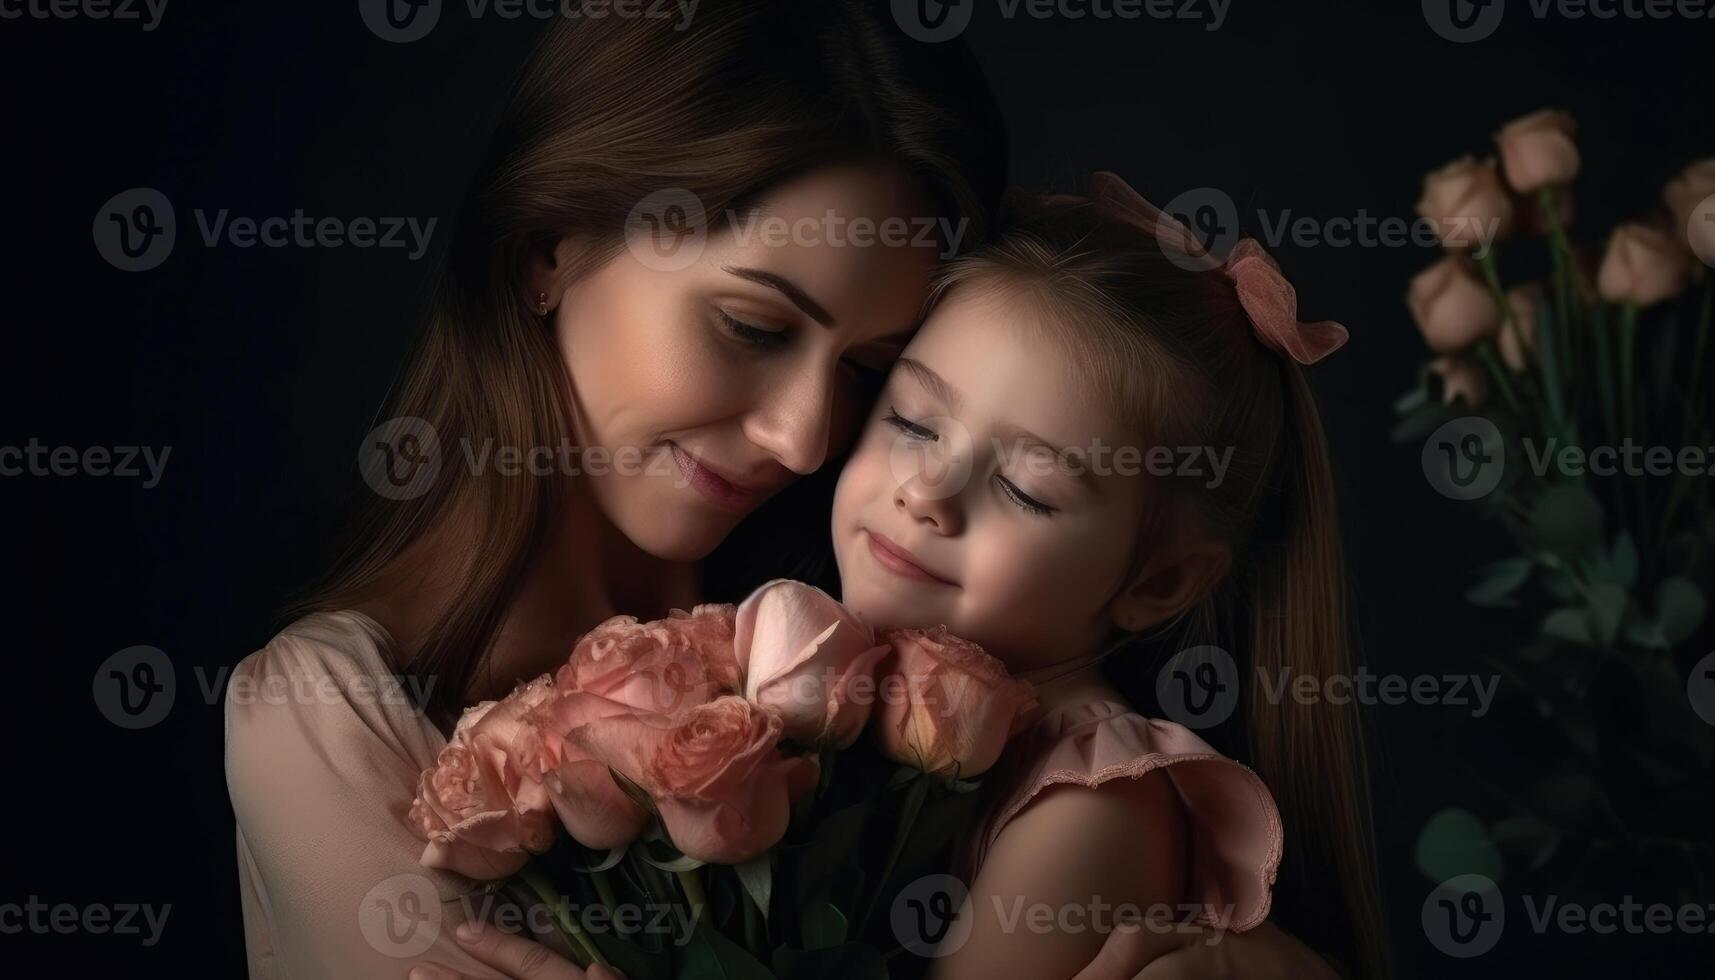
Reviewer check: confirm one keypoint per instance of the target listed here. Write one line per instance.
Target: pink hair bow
(1268, 299)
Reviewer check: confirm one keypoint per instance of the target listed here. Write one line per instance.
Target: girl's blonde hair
(1174, 353)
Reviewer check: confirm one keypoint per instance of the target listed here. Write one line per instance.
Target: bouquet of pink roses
(689, 761)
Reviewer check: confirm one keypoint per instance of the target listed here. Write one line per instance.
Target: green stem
(569, 927)
(1628, 355)
(1497, 370)
(693, 887)
(914, 798)
(752, 927)
(604, 888)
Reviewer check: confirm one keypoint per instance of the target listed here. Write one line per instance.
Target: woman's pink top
(323, 749)
(1235, 837)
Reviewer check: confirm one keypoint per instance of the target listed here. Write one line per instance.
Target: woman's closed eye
(750, 333)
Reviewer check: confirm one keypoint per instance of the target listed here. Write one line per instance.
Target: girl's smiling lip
(898, 560)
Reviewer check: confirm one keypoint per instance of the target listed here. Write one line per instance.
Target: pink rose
(1537, 150)
(809, 657)
(1517, 341)
(660, 667)
(1466, 201)
(952, 707)
(1452, 307)
(1461, 378)
(1643, 266)
(716, 775)
(483, 813)
(1691, 198)
(594, 810)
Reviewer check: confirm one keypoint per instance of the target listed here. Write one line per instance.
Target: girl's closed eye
(912, 430)
(1025, 501)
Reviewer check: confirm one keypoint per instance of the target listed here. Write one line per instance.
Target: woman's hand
(1264, 953)
(513, 956)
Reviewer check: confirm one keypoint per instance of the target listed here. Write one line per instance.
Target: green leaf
(1528, 838)
(1607, 608)
(757, 877)
(1570, 624)
(1647, 634)
(1566, 796)
(1680, 607)
(1568, 519)
(1419, 422)
(823, 926)
(1624, 560)
(1454, 842)
(1411, 400)
(1499, 581)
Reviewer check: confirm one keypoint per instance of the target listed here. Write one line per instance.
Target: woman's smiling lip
(715, 487)
(898, 560)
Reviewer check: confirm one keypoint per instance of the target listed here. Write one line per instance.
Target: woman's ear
(547, 269)
(1173, 580)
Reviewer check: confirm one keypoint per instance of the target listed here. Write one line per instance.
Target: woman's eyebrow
(787, 288)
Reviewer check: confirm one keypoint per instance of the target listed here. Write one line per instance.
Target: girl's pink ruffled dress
(1235, 832)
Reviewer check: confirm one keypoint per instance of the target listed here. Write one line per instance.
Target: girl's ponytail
(1312, 752)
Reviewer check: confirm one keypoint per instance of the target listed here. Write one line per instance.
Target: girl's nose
(930, 506)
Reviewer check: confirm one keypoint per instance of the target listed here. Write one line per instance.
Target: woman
(606, 287)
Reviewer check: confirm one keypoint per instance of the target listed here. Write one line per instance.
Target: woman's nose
(792, 423)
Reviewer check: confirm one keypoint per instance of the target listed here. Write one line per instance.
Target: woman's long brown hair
(1174, 352)
(602, 113)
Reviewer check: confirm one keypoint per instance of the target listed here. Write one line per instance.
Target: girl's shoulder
(1236, 838)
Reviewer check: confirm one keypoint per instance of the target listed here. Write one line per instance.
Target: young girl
(1006, 487)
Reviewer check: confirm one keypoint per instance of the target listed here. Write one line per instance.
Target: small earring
(542, 304)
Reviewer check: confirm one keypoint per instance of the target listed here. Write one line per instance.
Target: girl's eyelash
(1023, 499)
(905, 425)
(748, 332)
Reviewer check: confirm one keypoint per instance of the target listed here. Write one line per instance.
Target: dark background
(262, 368)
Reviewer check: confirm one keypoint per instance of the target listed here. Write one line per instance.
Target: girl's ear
(1173, 580)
